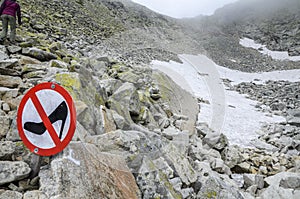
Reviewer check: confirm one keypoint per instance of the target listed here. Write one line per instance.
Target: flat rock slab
(13, 171)
(82, 171)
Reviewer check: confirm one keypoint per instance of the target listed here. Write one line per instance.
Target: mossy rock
(211, 194)
(70, 81)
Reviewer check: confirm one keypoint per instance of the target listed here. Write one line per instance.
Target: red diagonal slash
(45, 120)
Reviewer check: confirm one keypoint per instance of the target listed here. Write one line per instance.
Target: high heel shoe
(60, 113)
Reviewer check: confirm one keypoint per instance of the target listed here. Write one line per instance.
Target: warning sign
(46, 119)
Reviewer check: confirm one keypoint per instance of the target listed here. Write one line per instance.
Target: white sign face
(50, 101)
(46, 119)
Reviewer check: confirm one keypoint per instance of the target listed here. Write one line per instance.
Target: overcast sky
(184, 8)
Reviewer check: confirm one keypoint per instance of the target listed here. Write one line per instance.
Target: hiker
(8, 11)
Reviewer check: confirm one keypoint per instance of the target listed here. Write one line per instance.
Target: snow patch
(242, 121)
(277, 55)
(238, 77)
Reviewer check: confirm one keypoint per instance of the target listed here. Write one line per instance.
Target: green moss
(119, 67)
(211, 194)
(25, 69)
(169, 186)
(99, 100)
(20, 144)
(26, 44)
(31, 75)
(69, 81)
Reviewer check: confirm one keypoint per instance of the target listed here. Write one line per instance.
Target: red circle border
(55, 87)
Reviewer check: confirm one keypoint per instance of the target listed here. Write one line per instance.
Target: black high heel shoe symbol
(60, 113)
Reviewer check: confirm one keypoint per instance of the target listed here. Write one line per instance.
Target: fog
(184, 8)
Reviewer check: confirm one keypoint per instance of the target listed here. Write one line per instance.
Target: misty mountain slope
(272, 23)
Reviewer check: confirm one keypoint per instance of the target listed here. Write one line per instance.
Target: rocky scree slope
(121, 29)
(122, 111)
(135, 137)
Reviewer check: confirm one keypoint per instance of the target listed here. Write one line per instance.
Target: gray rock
(187, 192)
(294, 117)
(39, 54)
(8, 94)
(253, 179)
(264, 146)
(30, 68)
(7, 148)
(125, 101)
(216, 141)
(13, 133)
(232, 156)
(9, 81)
(153, 180)
(3, 55)
(5, 124)
(252, 190)
(5, 107)
(80, 107)
(82, 171)
(243, 167)
(111, 85)
(118, 119)
(13, 171)
(81, 133)
(14, 49)
(214, 187)
(176, 183)
(181, 164)
(14, 102)
(238, 179)
(291, 182)
(11, 195)
(219, 166)
(9, 67)
(58, 64)
(34, 75)
(154, 93)
(34, 195)
(275, 191)
(25, 60)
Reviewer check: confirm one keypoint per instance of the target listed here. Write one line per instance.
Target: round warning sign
(46, 119)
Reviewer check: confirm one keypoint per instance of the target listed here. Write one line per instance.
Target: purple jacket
(10, 7)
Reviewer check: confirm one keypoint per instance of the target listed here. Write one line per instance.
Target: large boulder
(82, 171)
(125, 101)
(177, 101)
(82, 87)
